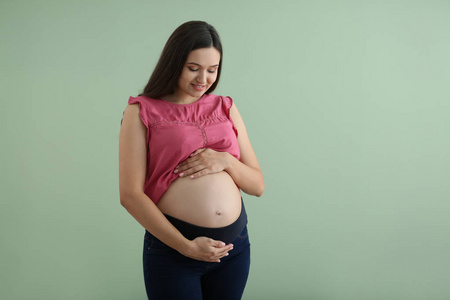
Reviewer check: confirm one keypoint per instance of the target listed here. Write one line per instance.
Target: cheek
(184, 79)
(213, 78)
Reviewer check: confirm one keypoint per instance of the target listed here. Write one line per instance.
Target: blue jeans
(170, 275)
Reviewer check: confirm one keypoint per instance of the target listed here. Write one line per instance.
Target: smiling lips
(198, 87)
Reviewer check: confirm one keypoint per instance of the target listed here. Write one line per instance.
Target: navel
(218, 213)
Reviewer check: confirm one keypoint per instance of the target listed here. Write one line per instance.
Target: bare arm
(245, 172)
(132, 168)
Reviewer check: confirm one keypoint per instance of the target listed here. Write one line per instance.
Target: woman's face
(199, 73)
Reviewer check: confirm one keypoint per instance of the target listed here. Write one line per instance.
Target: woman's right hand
(206, 249)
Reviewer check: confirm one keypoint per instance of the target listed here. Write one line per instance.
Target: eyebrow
(193, 63)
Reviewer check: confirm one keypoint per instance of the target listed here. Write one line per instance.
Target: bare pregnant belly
(212, 200)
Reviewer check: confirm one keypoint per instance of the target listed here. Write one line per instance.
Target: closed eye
(209, 71)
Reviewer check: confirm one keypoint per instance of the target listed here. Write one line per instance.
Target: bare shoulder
(131, 116)
(234, 113)
(132, 110)
(247, 154)
(237, 120)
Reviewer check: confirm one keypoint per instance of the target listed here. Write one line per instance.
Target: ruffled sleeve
(227, 102)
(142, 109)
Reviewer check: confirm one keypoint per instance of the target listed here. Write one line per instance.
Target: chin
(197, 94)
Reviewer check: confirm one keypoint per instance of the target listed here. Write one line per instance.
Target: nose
(201, 77)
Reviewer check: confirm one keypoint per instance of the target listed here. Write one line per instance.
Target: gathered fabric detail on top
(175, 131)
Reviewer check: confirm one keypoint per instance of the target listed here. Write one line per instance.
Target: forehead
(204, 56)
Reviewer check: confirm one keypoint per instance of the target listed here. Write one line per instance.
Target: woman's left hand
(201, 162)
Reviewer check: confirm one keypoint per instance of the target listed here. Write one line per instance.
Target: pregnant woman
(184, 158)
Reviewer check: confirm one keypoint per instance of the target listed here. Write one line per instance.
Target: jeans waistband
(225, 234)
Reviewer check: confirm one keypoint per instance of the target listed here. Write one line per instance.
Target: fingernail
(181, 174)
(176, 171)
(192, 176)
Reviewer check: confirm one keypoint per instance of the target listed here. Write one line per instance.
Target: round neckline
(188, 104)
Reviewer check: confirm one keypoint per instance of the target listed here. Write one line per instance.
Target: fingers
(187, 164)
(222, 249)
(221, 253)
(200, 173)
(197, 152)
(194, 168)
(191, 158)
(210, 250)
(221, 245)
(202, 161)
(193, 172)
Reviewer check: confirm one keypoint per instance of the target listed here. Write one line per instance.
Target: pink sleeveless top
(174, 131)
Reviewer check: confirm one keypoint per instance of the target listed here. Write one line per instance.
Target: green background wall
(347, 107)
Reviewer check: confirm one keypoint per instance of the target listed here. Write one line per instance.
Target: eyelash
(194, 70)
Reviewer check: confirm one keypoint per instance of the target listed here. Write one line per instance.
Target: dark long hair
(187, 37)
